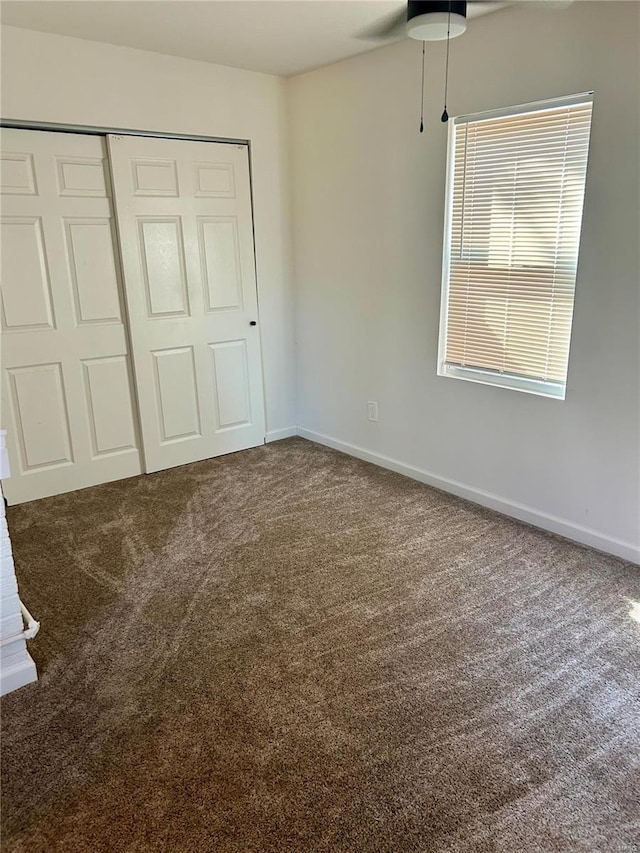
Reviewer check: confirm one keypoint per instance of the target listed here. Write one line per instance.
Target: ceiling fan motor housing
(434, 21)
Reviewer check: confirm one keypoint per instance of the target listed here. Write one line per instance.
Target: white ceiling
(274, 36)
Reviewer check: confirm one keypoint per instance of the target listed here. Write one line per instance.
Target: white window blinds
(514, 213)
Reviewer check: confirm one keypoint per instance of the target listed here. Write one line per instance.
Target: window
(515, 193)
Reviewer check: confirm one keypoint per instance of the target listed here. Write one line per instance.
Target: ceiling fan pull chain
(445, 115)
(422, 93)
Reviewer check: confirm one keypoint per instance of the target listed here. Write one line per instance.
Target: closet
(130, 340)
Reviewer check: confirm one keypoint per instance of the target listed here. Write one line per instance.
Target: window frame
(539, 387)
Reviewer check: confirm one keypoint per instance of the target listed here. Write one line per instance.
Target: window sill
(553, 390)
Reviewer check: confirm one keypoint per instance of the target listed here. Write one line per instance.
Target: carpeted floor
(290, 651)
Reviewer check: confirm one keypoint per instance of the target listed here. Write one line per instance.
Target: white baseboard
(279, 434)
(522, 512)
(13, 677)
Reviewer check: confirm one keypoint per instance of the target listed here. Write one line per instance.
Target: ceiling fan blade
(391, 26)
(552, 5)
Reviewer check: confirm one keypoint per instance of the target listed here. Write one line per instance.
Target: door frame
(95, 130)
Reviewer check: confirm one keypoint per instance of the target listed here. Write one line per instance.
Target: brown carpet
(290, 650)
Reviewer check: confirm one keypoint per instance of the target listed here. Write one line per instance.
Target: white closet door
(66, 389)
(185, 228)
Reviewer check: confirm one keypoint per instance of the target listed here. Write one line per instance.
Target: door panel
(66, 378)
(163, 273)
(220, 263)
(92, 266)
(186, 237)
(176, 394)
(41, 414)
(231, 381)
(26, 291)
(107, 383)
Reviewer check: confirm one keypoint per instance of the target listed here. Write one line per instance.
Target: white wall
(368, 195)
(65, 80)
(368, 227)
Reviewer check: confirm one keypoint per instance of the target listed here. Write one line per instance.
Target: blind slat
(515, 214)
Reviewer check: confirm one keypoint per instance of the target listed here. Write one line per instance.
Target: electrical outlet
(372, 411)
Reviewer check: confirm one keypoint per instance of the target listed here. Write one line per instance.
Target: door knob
(253, 323)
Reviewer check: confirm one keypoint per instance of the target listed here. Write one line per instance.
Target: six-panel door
(186, 237)
(66, 379)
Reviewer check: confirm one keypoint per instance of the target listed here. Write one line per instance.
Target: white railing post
(16, 664)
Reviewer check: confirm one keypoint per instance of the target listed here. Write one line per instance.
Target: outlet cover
(372, 411)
